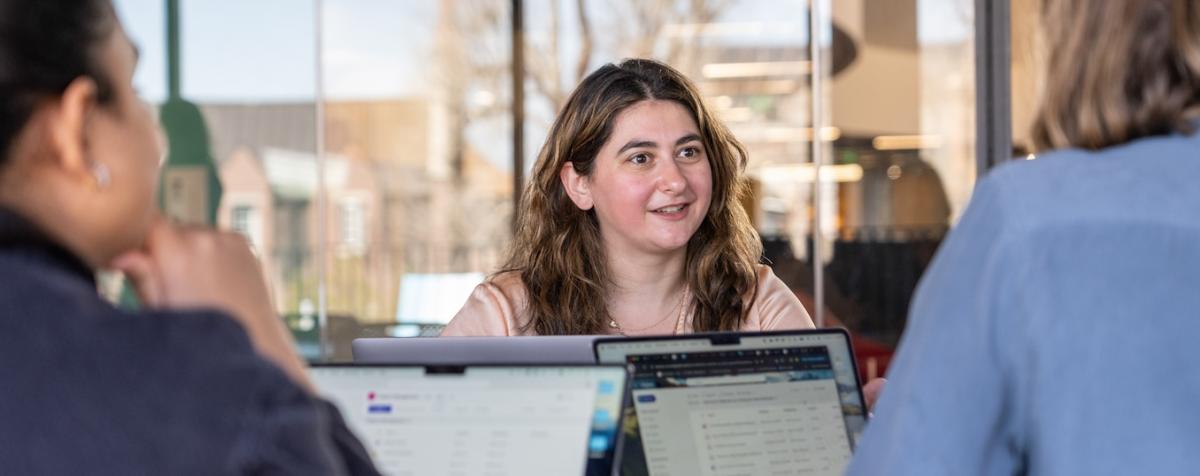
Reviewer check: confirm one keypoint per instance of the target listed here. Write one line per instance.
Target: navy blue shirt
(1055, 331)
(86, 388)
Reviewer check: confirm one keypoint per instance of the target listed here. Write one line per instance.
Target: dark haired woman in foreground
(205, 381)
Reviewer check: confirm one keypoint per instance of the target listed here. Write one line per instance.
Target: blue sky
(264, 50)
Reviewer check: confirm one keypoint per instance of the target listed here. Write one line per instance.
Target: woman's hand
(181, 267)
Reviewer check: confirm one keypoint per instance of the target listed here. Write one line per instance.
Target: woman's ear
(576, 186)
(67, 128)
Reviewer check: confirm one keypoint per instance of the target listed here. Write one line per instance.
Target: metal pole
(518, 105)
(816, 101)
(319, 198)
(993, 90)
(173, 91)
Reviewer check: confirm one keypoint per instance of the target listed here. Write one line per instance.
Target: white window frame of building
(246, 219)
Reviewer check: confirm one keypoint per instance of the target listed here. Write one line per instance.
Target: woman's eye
(640, 159)
(689, 153)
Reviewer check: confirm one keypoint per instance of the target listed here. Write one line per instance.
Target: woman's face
(123, 137)
(651, 183)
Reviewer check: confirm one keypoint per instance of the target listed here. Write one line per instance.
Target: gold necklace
(613, 324)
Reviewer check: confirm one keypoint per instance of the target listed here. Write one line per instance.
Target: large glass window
(417, 111)
(366, 147)
(410, 183)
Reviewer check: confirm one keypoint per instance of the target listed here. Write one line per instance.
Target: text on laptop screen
(766, 404)
(486, 420)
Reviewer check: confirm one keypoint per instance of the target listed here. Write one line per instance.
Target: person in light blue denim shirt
(1055, 331)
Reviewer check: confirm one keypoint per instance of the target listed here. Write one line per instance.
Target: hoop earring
(103, 177)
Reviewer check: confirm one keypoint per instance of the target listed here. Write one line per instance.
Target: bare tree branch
(585, 49)
(555, 38)
(682, 49)
(542, 74)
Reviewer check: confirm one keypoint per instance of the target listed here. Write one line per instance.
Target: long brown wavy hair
(558, 250)
(1117, 70)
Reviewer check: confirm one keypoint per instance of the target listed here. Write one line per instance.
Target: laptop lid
(739, 403)
(502, 420)
(464, 350)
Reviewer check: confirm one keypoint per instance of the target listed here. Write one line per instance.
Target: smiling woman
(650, 183)
(632, 223)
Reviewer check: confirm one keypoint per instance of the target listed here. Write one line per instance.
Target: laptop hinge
(445, 369)
(725, 339)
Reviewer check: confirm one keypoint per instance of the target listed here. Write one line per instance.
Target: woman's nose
(670, 177)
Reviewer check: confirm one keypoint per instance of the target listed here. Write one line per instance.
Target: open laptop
(499, 420)
(463, 350)
(739, 403)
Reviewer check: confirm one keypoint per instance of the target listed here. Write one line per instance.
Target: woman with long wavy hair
(632, 223)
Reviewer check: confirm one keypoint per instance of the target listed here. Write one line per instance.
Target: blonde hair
(1118, 70)
(558, 250)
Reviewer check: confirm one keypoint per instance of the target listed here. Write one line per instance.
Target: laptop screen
(767, 403)
(481, 420)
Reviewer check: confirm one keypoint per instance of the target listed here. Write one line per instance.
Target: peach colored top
(497, 307)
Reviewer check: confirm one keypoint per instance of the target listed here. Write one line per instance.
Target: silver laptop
(497, 420)
(463, 350)
(739, 403)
